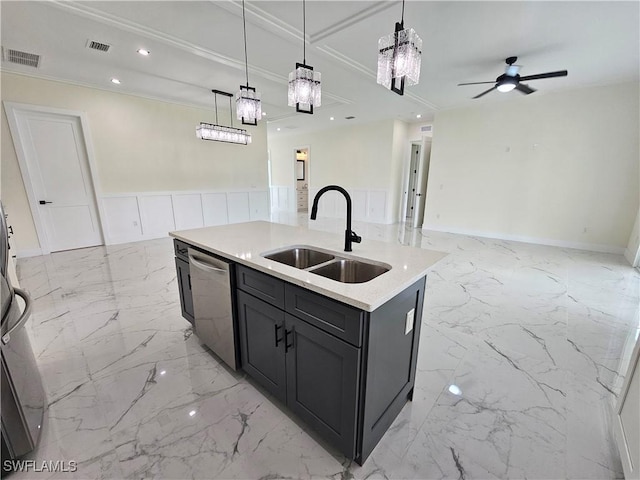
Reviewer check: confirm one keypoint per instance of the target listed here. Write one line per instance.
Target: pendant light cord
(401, 20)
(304, 33)
(246, 61)
(230, 112)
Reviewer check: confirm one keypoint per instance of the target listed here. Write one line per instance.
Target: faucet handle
(355, 237)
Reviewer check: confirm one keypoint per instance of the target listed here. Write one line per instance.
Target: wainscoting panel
(238, 207)
(123, 218)
(156, 212)
(274, 198)
(214, 209)
(141, 216)
(187, 211)
(377, 206)
(259, 205)
(359, 200)
(282, 198)
(367, 205)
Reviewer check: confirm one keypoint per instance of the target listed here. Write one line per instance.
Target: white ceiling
(197, 46)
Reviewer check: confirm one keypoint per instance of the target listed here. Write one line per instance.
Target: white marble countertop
(245, 243)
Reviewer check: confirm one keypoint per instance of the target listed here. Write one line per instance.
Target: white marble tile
(533, 337)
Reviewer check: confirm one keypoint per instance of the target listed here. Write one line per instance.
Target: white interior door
(413, 184)
(421, 183)
(58, 171)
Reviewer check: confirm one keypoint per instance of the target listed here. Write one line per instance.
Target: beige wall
(367, 157)
(140, 145)
(542, 167)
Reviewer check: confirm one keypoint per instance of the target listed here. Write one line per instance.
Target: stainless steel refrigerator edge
(23, 398)
(213, 305)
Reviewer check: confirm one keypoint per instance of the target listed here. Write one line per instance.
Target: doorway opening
(301, 169)
(415, 183)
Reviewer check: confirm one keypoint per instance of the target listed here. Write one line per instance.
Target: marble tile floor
(520, 362)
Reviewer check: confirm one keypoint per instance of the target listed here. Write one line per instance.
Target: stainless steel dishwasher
(213, 305)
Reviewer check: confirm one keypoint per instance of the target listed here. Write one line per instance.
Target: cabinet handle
(276, 328)
(286, 339)
(206, 267)
(189, 278)
(6, 338)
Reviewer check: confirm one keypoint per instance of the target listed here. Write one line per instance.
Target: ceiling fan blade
(486, 91)
(559, 73)
(475, 83)
(526, 89)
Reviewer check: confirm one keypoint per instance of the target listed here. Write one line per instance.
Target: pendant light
(222, 133)
(304, 83)
(248, 105)
(399, 58)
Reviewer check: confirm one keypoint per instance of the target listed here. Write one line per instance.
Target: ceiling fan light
(506, 87)
(248, 105)
(304, 89)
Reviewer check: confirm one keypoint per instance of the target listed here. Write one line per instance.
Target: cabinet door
(184, 288)
(322, 382)
(262, 343)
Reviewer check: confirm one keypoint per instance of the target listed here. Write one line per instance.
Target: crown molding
(119, 91)
(231, 6)
(351, 20)
(263, 19)
(118, 22)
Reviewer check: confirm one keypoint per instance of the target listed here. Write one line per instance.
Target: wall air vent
(21, 58)
(426, 128)
(102, 47)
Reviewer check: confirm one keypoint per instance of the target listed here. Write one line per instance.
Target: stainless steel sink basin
(300, 257)
(350, 271)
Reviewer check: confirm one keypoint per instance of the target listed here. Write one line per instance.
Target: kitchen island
(341, 356)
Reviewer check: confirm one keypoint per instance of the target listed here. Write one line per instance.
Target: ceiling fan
(510, 79)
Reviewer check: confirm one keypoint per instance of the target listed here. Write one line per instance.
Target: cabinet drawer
(336, 318)
(260, 285)
(181, 249)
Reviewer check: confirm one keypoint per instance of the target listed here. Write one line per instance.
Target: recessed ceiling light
(143, 51)
(264, 114)
(192, 413)
(330, 118)
(418, 116)
(278, 128)
(116, 81)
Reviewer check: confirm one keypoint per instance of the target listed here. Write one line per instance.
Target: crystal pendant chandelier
(248, 105)
(399, 58)
(304, 83)
(222, 133)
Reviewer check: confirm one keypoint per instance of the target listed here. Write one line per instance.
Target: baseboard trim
(130, 239)
(34, 252)
(592, 247)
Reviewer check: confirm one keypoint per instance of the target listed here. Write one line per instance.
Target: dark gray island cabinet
(345, 372)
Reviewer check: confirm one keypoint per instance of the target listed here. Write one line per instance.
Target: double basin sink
(329, 265)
